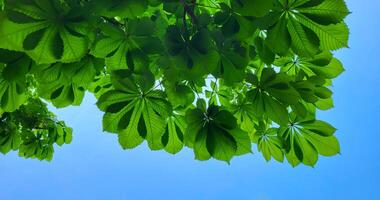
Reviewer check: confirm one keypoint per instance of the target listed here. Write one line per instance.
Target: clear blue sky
(95, 167)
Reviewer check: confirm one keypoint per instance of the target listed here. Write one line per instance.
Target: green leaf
(272, 95)
(275, 110)
(325, 104)
(313, 26)
(64, 134)
(100, 85)
(304, 42)
(328, 12)
(179, 94)
(122, 8)
(304, 139)
(117, 45)
(174, 134)
(230, 27)
(12, 80)
(279, 38)
(9, 140)
(46, 36)
(265, 53)
(256, 8)
(135, 113)
(270, 145)
(188, 57)
(323, 65)
(326, 146)
(278, 86)
(246, 118)
(232, 64)
(319, 127)
(332, 70)
(65, 84)
(309, 153)
(215, 134)
(332, 37)
(220, 144)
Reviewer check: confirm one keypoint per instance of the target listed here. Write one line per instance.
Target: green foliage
(215, 76)
(32, 131)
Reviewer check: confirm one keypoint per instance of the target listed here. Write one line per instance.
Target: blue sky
(95, 167)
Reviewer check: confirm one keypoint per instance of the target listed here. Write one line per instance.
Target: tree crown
(214, 75)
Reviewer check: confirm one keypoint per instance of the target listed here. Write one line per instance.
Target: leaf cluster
(33, 131)
(215, 76)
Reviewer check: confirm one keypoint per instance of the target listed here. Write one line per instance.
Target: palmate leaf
(304, 139)
(270, 145)
(117, 46)
(136, 112)
(9, 139)
(188, 57)
(323, 65)
(45, 30)
(263, 103)
(313, 89)
(215, 134)
(313, 26)
(65, 84)
(272, 95)
(233, 61)
(12, 79)
(233, 24)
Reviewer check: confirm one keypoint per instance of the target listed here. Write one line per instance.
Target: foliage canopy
(213, 75)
